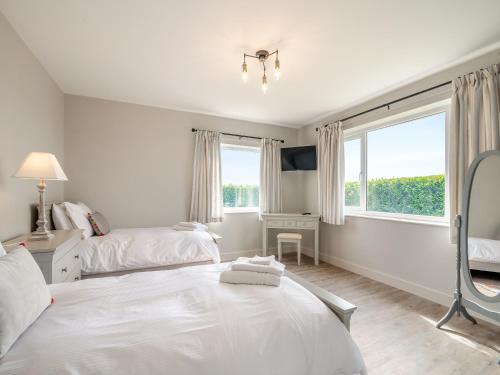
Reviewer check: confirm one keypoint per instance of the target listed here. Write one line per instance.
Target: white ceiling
(187, 54)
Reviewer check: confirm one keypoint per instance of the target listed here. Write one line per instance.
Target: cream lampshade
(41, 166)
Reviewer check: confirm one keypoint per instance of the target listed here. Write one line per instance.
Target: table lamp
(41, 166)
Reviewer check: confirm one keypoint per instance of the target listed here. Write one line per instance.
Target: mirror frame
(464, 233)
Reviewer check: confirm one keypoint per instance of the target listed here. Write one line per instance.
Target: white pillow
(25, 295)
(85, 208)
(79, 219)
(59, 217)
(2, 250)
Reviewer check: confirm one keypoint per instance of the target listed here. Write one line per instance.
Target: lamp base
(40, 236)
(42, 231)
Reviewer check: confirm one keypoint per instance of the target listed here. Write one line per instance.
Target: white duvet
(134, 248)
(484, 250)
(183, 322)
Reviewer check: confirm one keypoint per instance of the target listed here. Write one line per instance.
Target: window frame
(239, 144)
(361, 132)
(362, 175)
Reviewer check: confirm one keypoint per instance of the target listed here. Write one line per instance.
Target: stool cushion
(289, 236)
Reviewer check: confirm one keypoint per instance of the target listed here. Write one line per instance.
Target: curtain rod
(241, 135)
(388, 105)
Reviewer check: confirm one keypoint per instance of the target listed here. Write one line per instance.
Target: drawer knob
(65, 269)
(77, 256)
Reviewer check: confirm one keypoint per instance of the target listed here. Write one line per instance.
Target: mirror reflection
(484, 227)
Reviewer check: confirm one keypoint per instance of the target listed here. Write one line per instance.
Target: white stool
(291, 238)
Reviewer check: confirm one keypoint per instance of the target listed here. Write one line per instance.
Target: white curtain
(331, 173)
(474, 128)
(206, 197)
(270, 176)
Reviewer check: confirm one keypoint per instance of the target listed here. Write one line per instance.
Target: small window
(398, 168)
(240, 178)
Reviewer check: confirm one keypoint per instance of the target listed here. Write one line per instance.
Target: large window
(398, 168)
(240, 177)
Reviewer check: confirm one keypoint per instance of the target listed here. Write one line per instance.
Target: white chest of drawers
(58, 257)
(291, 221)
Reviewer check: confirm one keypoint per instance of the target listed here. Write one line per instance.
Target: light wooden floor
(395, 330)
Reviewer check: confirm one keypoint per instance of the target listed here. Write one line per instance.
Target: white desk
(291, 221)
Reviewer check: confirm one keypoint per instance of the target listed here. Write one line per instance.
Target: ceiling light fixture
(262, 56)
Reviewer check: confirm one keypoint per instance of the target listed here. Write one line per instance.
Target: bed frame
(484, 266)
(126, 272)
(339, 306)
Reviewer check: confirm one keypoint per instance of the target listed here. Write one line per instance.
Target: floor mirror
(478, 242)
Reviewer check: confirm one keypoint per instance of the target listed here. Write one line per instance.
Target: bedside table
(58, 257)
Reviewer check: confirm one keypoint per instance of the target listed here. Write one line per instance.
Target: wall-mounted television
(298, 158)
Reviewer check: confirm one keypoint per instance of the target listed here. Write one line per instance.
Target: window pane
(240, 176)
(352, 152)
(406, 167)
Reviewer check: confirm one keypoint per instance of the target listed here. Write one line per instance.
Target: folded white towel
(262, 260)
(251, 278)
(243, 264)
(187, 229)
(193, 224)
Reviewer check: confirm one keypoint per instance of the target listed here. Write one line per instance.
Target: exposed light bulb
(277, 69)
(244, 73)
(264, 83)
(262, 56)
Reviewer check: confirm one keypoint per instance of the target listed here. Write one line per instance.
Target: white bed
(183, 322)
(484, 254)
(141, 249)
(144, 248)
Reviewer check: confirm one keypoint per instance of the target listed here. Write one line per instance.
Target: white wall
(134, 164)
(31, 119)
(414, 257)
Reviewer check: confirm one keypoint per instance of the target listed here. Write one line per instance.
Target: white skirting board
(384, 278)
(396, 282)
